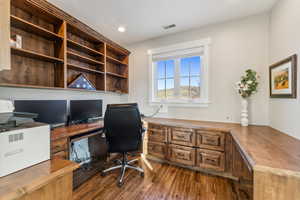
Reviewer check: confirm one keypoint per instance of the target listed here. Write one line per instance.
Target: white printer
(23, 142)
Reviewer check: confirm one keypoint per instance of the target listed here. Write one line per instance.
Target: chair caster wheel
(142, 174)
(120, 184)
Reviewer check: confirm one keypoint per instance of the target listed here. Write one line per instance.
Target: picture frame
(283, 78)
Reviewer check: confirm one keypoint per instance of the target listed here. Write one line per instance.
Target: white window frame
(187, 49)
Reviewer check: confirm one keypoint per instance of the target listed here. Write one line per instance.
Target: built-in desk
(61, 142)
(48, 180)
(60, 137)
(271, 159)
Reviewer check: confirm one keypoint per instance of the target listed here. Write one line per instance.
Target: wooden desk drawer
(157, 149)
(211, 140)
(157, 133)
(182, 136)
(213, 160)
(182, 155)
(61, 155)
(59, 145)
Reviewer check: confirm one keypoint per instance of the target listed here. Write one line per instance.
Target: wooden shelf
(35, 55)
(34, 9)
(83, 34)
(83, 90)
(116, 61)
(84, 69)
(116, 75)
(84, 59)
(84, 48)
(32, 28)
(47, 88)
(115, 50)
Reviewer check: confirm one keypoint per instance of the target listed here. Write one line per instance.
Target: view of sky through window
(190, 68)
(189, 77)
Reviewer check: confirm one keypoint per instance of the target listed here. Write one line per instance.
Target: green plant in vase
(246, 87)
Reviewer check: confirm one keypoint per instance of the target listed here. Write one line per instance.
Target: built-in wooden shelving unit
(56, 48)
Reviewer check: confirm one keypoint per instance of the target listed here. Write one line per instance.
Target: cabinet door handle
(180, 154)
(211, 141)
(210, 160)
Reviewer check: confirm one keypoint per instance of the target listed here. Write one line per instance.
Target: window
(165, 79)
(190, 77)
(179, 74)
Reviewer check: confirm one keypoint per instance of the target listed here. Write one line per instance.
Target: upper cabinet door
(4, 34)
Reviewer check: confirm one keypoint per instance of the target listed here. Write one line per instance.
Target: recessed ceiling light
(121, 29)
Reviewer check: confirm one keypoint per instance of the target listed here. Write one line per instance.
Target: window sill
(191, 104)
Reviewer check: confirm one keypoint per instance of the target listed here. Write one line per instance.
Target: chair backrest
(123, 127)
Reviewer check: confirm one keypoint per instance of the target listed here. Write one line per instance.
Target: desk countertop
(16, 185)
(68, 131)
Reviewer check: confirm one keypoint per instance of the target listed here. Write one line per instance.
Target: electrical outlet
(163, 108)
(228, 118)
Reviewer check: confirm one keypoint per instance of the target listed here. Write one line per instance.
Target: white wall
(236, 46)
(285, 41)
(38, 94)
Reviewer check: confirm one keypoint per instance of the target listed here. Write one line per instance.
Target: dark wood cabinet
(182, 136)
(212, 160)
(242, 169)
(182, 155)
(157, 133)
(59, 145)
(60, 148)
(57, 48)
(157, 149)
(212, 140)
(196, 149)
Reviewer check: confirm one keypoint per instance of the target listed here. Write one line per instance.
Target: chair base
(123, 165)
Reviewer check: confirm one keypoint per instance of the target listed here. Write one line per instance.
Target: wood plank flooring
(161, 182)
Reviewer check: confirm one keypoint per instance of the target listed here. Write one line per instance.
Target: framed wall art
(283, 78)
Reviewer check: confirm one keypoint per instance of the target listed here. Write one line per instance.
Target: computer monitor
(53, 112)
(85, 110)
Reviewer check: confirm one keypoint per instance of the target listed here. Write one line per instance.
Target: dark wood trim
(292, 59)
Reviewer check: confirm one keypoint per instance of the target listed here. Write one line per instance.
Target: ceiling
(144, 19)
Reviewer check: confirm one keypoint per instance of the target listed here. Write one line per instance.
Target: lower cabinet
(158, 150)
(182, 155)
(213, 160)
(60, 149)
(186, 146)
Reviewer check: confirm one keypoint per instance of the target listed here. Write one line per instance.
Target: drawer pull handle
(211, 141)
(180, 154)
(210, 160)
(180, 136)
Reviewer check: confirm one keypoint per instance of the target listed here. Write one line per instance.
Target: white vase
(244, 113)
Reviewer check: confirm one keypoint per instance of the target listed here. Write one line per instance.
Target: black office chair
(124, 131)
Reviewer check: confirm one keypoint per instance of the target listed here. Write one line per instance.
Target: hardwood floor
(161, 182)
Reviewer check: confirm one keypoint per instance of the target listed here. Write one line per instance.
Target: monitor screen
(84, 110)
(53, 112)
